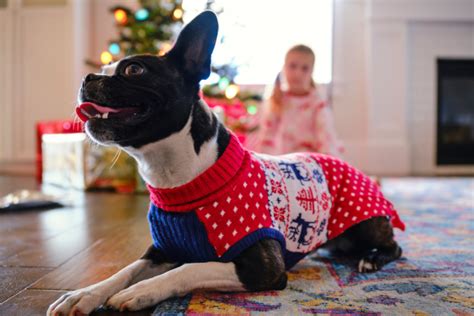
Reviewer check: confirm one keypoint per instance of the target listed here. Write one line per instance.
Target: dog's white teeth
(102, 116)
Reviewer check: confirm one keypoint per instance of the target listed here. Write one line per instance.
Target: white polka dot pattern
(353, 193)
(240, 211)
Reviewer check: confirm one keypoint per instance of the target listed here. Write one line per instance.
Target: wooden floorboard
(29, 302)
(10, 244)
(36, 302)
(108, 255)
(14, 280)
(44, 253)
(54, 251)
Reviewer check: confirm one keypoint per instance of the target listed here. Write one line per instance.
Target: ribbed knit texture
(204, 187)
(181, 236)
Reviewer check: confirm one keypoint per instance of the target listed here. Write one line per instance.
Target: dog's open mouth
(89, 110)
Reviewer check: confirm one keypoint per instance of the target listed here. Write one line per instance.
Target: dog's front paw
(139, 296)
(76, 303)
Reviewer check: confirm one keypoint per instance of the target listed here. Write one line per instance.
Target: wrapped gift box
(52, 127)
(73, 161)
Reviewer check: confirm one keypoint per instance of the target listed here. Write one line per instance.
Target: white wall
(6, 93)
(41, 49)
(350, 79)
(384, 78)
(428, 41)
(369, 118)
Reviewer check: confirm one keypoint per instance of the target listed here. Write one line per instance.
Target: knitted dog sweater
(302, 200)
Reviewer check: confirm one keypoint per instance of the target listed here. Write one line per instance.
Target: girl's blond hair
(275, 99)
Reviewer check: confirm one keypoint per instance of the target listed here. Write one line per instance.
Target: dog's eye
(133, 70)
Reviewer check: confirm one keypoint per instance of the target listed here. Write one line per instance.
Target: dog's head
(145, 98)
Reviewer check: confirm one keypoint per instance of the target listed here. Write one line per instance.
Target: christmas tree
(147, 30)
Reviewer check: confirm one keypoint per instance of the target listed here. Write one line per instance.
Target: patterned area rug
(434, 277)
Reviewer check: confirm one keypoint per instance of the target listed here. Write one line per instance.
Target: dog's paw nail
(366, 266)
(76, 312)
(123, 307)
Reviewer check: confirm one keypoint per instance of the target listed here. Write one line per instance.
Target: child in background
(295, 118)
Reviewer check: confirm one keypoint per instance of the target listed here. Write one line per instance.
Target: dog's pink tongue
(88, 110)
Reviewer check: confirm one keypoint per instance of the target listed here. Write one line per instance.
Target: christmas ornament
(142, 14)
(121, 16)
(106, 58)
(114, 49)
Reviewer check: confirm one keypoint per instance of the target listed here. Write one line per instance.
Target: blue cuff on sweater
(250, 240)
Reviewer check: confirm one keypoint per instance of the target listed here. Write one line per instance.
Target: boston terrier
(222, 217)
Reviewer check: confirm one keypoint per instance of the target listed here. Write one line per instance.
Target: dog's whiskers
(76, 122)
(116, 158)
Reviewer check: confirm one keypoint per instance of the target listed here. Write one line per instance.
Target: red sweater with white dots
(301, 199)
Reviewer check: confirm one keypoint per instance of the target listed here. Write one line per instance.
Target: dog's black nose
(91, 77)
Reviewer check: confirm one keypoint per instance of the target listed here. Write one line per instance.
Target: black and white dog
(150, 107)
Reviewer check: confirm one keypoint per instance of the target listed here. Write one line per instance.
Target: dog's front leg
(85, 300)
(260, 267)
(178, 282)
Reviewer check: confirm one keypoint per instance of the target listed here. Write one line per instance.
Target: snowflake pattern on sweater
(298, 199)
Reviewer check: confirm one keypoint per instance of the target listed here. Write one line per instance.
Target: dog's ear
(193, 49)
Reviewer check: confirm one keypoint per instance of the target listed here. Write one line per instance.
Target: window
(255, 35)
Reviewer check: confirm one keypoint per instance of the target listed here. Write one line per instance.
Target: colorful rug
(435, 276)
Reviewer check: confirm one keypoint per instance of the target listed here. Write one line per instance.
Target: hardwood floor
(44, 253)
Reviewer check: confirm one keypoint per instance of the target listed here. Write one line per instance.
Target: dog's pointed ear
(193, 49)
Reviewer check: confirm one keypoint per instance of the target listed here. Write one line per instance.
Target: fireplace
(455, 122)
